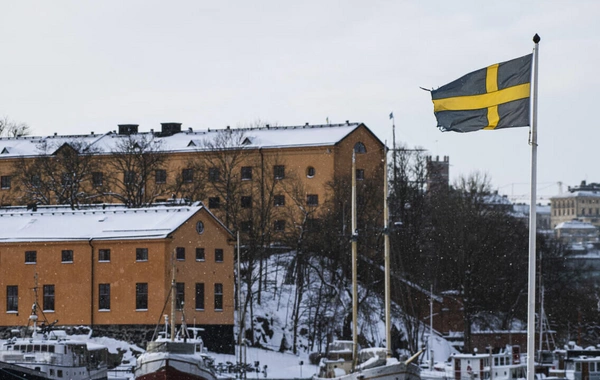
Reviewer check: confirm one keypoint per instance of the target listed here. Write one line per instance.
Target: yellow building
(111, 268)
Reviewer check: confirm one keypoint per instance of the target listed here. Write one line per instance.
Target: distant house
(581, 203)
(576, 232)
(111, 268)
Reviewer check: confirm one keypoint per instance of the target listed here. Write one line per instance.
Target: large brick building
(111, 268)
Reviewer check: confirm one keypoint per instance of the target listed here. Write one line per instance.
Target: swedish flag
(494, 97)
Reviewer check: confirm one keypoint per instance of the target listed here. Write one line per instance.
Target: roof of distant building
(186, 140)
(575, 224)
(109, 222)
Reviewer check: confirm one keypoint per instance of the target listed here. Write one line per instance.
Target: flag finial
(536, 38)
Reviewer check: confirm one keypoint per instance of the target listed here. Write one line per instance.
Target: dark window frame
(141, 254)
(179, 295)
(66, 256)
(5, 182)
(218, 297)
(312, 199)
(141, 296)
(279, 225)
(200, 254)
(30, 257)
(160, 176)
(104, 255)
(180, 253)
(49, 298)
(214, 174)
(246, 201)
(219, 255)
(187, 175)
(214, 202)
(278, 171)
(129, 177)
(360, 174)
(246, 173)
(279, 200)
(103, 296)
(200, 295)
(12, 298)
(97, 179)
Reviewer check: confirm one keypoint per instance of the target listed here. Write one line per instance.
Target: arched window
(360, 148)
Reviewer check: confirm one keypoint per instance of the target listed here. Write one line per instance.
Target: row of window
(571, 211)
(141, 254)
(141, 297)
(278, 200)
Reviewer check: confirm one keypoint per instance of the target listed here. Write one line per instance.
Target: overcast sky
(73, 67)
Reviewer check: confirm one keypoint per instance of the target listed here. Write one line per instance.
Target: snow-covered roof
(575, 224)
(17, 224)
(578, 193)
(186, 140)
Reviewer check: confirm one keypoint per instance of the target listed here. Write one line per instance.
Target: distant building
(577, 232)
(581, 203)
(543, 214)
(111, 268)
(438, 173)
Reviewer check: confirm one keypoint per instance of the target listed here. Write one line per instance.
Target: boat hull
(396, 371)
(170, 368)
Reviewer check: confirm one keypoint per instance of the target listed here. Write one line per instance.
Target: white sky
(74, 67)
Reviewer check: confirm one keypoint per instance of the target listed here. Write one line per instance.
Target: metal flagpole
(386, 258)
(394, 145)
(532, 220)
(354, 269)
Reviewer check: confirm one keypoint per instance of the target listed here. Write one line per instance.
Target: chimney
(128, 129)
(169, 129)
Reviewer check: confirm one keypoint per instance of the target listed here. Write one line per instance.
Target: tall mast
(173, 303)
(386, 257)
(354, 275)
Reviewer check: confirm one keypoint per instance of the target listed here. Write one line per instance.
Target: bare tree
(58, 175)
(135, 160)
(13, 128)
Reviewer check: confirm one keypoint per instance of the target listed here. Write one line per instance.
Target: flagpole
(532, 220)
(394, 145)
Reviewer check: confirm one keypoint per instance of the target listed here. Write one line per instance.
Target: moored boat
(50, 354)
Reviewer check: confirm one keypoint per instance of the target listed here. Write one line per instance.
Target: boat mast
(173, 294)
(386, 256)
(354, 275)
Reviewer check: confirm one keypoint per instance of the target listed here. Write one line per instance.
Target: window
(360, 148)
(187, 175)
(179, 295)
(279, 225)
(246, 172)
(141, 254)
(104, 255)
(312, 224)
(246, 226)
(310, 172)
(30, 257)
(218, 255)
(141, 296)
(97, 178)
(67, 179)
(160, 176)
(214, 174)
(129, 177)
(200, 254)
(5, 182)
(104, 296)
(279, 200)
(214, 202)
(360, 174)
(67, 256)
(279, 171)
(180, 253)
(218, 296)
(199, 296)
(199, 227)
(35, 181)
(12, 298)
(48, 301)
(312, 199)
(246, 201)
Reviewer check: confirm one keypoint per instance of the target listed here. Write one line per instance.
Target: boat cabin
(587, 368)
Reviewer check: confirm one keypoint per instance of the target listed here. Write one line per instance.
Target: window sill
(141, 309)
(12, 312)
(66, 262)
(103, 310)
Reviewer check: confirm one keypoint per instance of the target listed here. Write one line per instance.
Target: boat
(344, 360)
(51, 354)
(175, 354)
